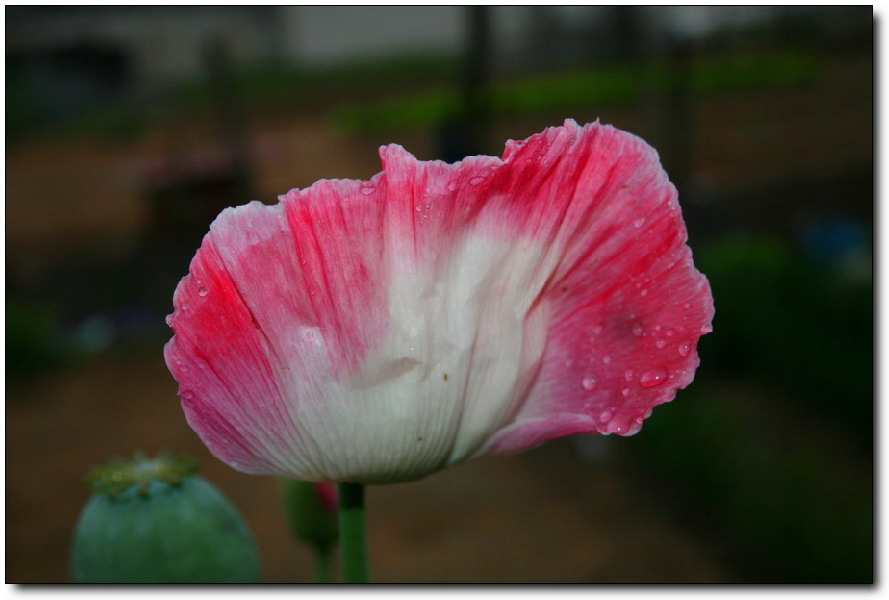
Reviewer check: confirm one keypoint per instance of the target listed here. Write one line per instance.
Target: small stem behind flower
(353, 555)
(322, 564)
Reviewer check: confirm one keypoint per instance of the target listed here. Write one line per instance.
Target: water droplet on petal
(597, 329)
(644, 292)
(684, 349)
(202, 292)
(638, 223)
(629, 374)
(367, 190)
(588, 383)
(653, 377)
(660, 343)
(669, 333)
(186, 395)
(637, 330)
(452, 185)
(625, 392)
(476, 180)
(606, 359)
(687, 305)
(606, 416)
(635, 428)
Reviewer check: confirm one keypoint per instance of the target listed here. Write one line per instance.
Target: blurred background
(128, 129)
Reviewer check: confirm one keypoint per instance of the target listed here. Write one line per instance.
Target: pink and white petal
(270, 316)
(627, 304)
(378, 331)
(349, 336)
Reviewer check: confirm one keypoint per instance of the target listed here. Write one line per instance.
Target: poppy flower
(378, 331)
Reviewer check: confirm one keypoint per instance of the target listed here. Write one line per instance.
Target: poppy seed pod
(378, 331)
(156, 521)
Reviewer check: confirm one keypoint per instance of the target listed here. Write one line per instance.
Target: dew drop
(684, 349)
(606, 360)
(629, 374)
(660, 343)
(687, 305)
(367, 190)
(653, 377)
(669, 333)
(187, 395)
(635, 428)
(588, 383)
(202, 292)
(638, 223)
(605, 416)
(637, 330)
(451, 186)
(476, 180)
(644, 292)
(625, 392)
(597, 330)
(419, 208)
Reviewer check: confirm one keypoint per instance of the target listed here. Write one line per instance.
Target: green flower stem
(322, 565)
(353, 554)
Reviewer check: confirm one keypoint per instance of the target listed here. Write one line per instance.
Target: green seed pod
(156, 521)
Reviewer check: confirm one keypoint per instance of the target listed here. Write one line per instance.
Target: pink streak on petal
(624, 297)
(216, 356)
(276, 295)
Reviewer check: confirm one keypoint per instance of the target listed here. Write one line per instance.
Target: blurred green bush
(774, 438)
(34, 340)
(581, 88)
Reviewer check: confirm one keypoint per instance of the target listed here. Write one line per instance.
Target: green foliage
(792, 323)
(803, 501)
(775, 435)
(34, 341)
(577, 89)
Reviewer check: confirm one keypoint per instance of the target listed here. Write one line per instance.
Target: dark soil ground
(548, 515)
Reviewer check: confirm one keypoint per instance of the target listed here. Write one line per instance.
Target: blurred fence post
(229, 115)
(465, 133)
(678, 123)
